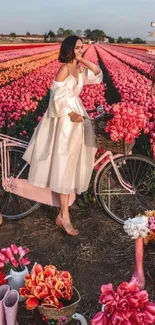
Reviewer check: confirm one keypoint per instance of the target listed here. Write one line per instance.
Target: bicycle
(123, 185)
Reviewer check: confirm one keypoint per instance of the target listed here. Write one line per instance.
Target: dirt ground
(100, 254)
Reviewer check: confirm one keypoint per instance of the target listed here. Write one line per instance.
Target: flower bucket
(63, 315)
(16, 279)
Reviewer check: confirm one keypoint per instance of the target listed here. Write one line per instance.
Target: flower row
(134, 89)
(11, 55)
(14, 73)
(26, 59)
(24, 94)
(143, 66)
(143, 56)
(93, 95)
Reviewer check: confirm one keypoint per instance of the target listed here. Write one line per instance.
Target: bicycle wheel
(139, 172)
(13, 206)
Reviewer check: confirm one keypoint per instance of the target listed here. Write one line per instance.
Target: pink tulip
(14, 249)
(2, 257)
(1, 265)
(9, 253)
(24, 261)
(14, 262)
(22, 251)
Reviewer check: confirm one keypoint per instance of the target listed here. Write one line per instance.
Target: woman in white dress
(62, 149)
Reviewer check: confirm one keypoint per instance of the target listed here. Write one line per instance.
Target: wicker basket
(63, 315)
(103, 140)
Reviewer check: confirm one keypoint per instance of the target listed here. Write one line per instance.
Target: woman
(62, 149)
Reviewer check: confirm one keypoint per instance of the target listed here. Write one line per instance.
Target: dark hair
(67, 54)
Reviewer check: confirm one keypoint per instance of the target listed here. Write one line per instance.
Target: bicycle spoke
(12, 205)
(136, 171)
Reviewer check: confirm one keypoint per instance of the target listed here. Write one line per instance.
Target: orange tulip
(35, 270)
(32, 303)
(24, 292)
(52, 302)
(30, 284)
(44, 292)
(40, 277)
(36, 291)
(50, 270)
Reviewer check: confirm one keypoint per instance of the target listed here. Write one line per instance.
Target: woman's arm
(93, 67)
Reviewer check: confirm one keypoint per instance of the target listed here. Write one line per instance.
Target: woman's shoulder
(62, 73)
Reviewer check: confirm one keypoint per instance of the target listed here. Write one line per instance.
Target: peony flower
(137, 226)
(131, 306)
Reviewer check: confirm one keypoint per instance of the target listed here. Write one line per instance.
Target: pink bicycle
(124, 183)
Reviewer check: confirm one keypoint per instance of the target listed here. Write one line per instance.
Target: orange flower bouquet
(51, 291)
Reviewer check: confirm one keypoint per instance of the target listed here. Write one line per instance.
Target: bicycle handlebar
(99, 109)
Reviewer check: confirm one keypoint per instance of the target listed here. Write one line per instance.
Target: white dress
(61, 153)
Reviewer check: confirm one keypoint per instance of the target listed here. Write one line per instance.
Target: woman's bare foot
(66, 225)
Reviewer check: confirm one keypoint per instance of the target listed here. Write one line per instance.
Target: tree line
(95, 35)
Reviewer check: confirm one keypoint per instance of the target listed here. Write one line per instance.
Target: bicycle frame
(111, 158)
(21, 186)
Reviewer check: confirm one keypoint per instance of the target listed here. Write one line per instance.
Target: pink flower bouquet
(13, 257)
(127, 305)
(127, 123)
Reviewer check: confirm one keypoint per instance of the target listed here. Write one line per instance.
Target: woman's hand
(75, 117)
(78, 58)
(93, 67)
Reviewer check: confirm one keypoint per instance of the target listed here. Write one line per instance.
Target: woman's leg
(63, 219)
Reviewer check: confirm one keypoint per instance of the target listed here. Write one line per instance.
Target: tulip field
(102, 253)
(26, 74)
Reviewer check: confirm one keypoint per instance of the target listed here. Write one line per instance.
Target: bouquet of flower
(13, 258)
(127, 122)
(141, 225)
(47, 286)
(127, 305)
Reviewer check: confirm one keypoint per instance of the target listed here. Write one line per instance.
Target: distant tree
(45, 37)
(78, 32)
(98, 35)
(13, 35)
(87, 33)
(60, 31)
(51, 34)
(95, 35)
(111, 39)
(120, 39)
(138, 40)
(127, 40)
(28, 34)
(68, 32)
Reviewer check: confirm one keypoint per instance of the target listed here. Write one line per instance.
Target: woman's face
(78, 50)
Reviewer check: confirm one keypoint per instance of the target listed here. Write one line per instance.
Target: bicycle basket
(103, 139)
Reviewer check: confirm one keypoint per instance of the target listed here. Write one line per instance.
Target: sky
(126, 18)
